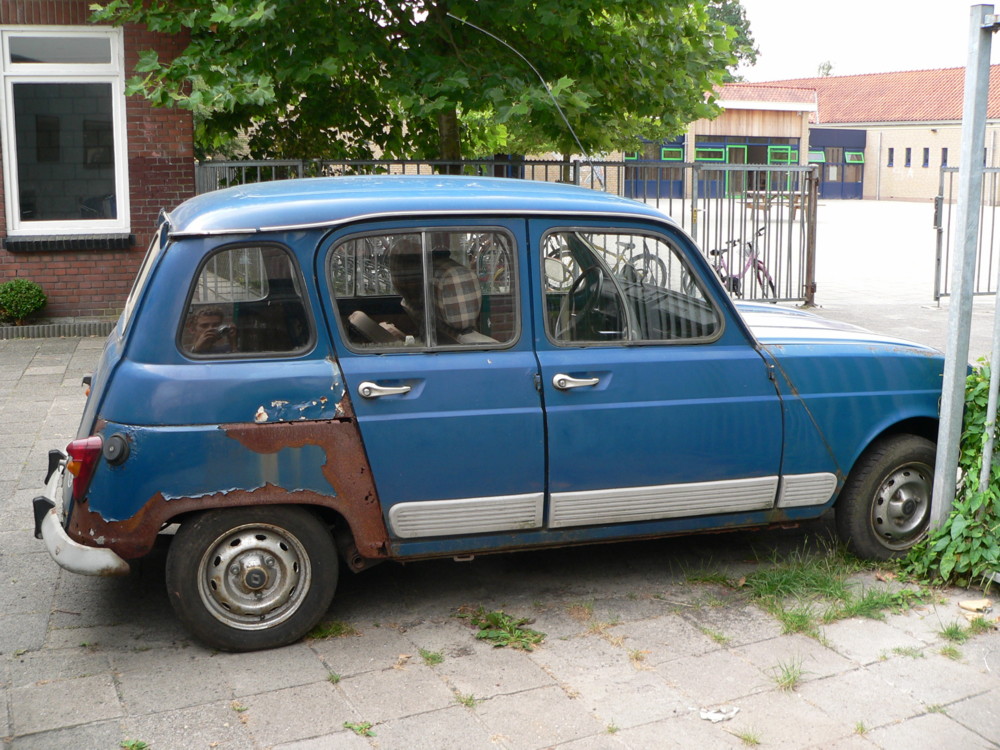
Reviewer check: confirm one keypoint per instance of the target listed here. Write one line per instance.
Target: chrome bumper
(70, 554)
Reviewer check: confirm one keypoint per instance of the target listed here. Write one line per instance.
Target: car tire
(884, 508)
(243, 579)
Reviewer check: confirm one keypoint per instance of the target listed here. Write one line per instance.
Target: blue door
(657, 404)
(428, 328)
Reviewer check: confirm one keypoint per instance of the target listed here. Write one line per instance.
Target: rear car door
(427, 319)
(657, 403)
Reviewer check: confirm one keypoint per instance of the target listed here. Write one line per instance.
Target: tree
(732, 14)
(405, 78)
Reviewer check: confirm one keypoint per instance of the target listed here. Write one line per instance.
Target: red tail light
(83, 457)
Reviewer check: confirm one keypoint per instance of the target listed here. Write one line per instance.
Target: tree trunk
(449, 140)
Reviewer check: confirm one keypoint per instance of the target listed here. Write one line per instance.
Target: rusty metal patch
(345, 468)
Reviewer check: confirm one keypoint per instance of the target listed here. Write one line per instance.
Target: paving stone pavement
(639, 637)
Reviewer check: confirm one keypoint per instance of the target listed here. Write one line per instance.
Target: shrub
(20, 299)
(966, 549)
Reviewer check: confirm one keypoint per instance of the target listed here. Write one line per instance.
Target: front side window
(621, 287)
(426, 289)
(64, 153)
(246, 301)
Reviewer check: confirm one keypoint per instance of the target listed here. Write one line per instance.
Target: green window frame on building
(854, 157)
(672, 153)
(817, 156)
(713, 153)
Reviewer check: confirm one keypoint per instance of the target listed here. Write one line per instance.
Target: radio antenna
(534, 70)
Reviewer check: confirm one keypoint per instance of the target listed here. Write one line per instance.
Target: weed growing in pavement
(133, 745)
(238, 707)
(611, 729)
(936, 708)
(950, 652)
(502, 629)
(333, 678)
(431, 658)
(979, 625)
(333, 629)
(467, 700)
(912, 651)
(749, 737)
(721, 638)
(795, 587)
(860, 728)
(954, 633)
(788, 675)
(360, 728)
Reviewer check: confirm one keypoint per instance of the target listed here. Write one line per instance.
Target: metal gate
(988, 236)
(760, 218)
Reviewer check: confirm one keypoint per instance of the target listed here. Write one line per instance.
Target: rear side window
(246, 300)
(426, 289)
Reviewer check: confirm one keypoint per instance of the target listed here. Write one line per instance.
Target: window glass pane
(389, 285)
(610, 286)
(65, 151)
(60, 50)
(246, 300)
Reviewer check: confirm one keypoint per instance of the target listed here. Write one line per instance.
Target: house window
(63, 109)
(927, 157)
(854, 157)
(944, 157)
(909, 157)
(892, 156)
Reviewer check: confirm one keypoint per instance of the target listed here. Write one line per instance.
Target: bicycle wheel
(766, 285)
(650, 269)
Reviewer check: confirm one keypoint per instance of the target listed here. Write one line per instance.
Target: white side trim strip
(627, 504)
(475, 515)
(801, 490)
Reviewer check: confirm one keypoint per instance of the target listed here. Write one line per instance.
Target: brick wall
(94, 283)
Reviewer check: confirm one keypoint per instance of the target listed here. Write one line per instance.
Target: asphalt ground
(642, 639)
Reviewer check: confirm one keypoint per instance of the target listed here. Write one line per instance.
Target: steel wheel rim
(901, 506)
(254, 576)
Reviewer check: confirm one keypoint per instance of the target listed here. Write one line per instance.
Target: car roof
(327, 201)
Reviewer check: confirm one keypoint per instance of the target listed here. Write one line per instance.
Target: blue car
(317, 375)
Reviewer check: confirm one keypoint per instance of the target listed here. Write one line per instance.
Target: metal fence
(988, 241)
(756, 223)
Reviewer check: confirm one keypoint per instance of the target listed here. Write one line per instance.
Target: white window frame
(112, 73)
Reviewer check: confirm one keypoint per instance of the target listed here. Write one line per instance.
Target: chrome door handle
(368, 389)
(565, 382)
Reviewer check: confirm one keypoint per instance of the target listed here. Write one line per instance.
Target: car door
(657, 403)
(428, 330)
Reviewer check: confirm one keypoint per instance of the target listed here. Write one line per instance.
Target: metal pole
(977, 77)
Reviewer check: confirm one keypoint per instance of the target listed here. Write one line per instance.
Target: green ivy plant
(19, 300)
(966, 548)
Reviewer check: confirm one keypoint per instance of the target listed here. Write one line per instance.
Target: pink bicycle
(760, 282)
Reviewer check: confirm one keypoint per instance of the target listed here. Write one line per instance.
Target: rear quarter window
(246, 300)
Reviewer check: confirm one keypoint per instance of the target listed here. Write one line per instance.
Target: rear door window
(426, 289)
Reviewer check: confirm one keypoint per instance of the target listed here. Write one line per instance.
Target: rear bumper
(70, 554)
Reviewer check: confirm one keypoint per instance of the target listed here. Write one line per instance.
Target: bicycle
(561, 268)
(734, 282)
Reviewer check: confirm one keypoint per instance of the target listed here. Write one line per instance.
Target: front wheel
(243, 579)
(884, 508)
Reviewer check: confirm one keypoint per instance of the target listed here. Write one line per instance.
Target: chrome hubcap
(254, 576)
(901, 506)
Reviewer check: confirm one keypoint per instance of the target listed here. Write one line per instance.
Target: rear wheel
(243, 579)
(884, 508)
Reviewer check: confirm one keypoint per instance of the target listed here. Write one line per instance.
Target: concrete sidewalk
(640, 637)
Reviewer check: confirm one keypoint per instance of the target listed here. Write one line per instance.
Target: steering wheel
(569, 313)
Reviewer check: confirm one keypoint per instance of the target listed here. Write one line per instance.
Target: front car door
(427, 320)
(658, 404)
